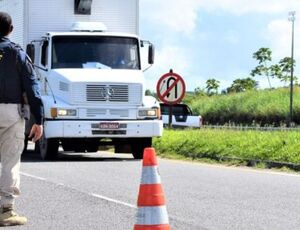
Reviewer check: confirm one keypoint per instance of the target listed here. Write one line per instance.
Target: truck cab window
(44, 53)
(102, 52)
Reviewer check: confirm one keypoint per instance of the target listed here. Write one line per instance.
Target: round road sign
(170, 88)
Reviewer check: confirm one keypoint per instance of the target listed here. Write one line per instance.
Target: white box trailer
(88, 57)
(34, 18)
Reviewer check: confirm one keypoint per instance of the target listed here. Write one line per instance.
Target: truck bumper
(92, 129)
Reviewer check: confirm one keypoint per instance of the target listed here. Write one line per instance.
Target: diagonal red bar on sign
(170, 88)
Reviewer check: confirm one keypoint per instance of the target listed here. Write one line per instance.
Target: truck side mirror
(30, 50)
(151, 52)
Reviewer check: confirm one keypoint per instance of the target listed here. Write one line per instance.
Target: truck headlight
(67, 112)
(150, 113)
(60, 112)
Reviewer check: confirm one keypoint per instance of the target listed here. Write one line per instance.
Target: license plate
(109, 125)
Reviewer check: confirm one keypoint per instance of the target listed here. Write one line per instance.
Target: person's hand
(36, 132)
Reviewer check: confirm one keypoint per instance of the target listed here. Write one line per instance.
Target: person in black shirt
(17, 78)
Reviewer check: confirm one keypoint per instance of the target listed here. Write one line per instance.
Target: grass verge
(257, 107)
(265, 149)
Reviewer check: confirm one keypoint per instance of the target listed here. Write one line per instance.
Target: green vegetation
(254, 107)
(241, 104)
(282, 70)
(232, 145)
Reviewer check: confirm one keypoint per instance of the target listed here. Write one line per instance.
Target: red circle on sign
(162, 95)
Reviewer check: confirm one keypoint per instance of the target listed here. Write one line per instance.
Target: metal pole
(170, 115)
(170, 109)
(292, 19)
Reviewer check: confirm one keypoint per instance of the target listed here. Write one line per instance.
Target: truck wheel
(138, 145)
(92, 148)
(48, 148)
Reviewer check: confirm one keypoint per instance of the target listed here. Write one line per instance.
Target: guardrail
(246, 128)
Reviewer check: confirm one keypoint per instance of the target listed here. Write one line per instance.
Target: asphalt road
(99, 191)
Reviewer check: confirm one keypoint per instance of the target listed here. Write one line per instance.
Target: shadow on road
(31, 156)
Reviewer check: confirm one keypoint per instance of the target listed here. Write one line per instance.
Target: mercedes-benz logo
(107, 92)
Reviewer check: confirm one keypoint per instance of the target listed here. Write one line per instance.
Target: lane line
(32, 176)
(90, 194)
(112, 200)
(173, 218)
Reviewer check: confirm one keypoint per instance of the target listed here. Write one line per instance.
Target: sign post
(170, 89)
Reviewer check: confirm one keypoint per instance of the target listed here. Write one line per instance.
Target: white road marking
(112, 200)
(90, 194)
(32, 176)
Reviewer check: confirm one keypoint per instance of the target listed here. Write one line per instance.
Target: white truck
(89, 62)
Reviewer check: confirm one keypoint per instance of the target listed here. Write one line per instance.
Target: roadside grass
(256, 107)
(261, 149)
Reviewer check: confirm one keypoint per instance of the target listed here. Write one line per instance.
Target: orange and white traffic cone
(152, 212)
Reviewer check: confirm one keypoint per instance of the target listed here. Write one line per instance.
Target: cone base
(152, 227)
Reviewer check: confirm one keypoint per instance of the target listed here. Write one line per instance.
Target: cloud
(169, 57)
(174, 27)
(240, 7)
(181, 16)
(279, 34)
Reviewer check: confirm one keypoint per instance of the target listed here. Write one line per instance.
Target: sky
(203, 39)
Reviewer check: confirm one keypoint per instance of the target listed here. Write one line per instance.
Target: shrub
(259, 107)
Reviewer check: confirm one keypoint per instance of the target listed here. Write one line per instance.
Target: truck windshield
(102, 52)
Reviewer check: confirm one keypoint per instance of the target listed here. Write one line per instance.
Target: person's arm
(30, 86)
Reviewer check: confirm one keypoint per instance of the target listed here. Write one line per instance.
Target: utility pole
(292, 19)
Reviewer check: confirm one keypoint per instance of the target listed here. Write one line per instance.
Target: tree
(148, 92)
(263, 56)
(241, 85)
(199, 92)
(275, 71)
(212, 86)
(285, 65)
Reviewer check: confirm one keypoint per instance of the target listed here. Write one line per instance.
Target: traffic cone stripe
(152, 216)
(152, 227)
(151, 195)
(150, 175)
(148, 159)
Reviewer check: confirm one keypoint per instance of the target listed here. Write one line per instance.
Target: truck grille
(112, 93)
(93, 93)
(112, 113)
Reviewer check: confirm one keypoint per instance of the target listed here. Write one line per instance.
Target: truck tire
(47, 148)
(92, 148)
(138, 145)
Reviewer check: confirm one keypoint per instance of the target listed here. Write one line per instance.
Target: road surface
(99, 191)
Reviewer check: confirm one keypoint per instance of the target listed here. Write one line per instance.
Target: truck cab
(93, 92)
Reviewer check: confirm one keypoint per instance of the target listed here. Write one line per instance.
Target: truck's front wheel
(48, 148)
(138, 145)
